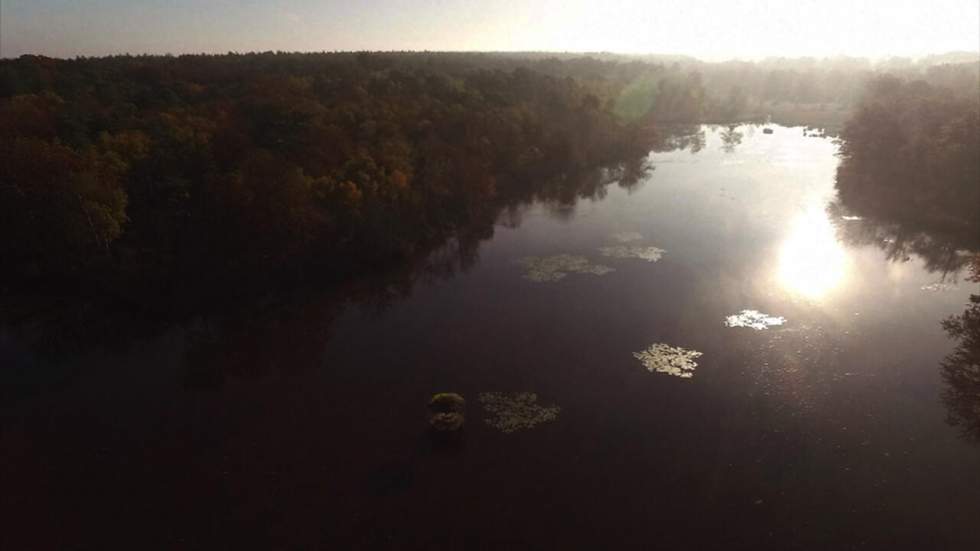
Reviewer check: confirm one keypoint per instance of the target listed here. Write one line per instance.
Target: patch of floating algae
(510, 412)
(626, 236)
(545, 269)
(650, 254)
(672, 360)
(753, 319)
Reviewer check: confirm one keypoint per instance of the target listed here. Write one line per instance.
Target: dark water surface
(826, 431)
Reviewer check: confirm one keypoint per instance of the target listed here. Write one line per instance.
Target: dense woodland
(910, 156)
(163, 179)
(910, 170)
(156, 172)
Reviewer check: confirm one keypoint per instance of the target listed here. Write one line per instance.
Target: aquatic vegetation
(672, 360)
(447, 412)
(626, 236)
(650, 254)
(544, 269)
(509, 412)
(938, 287)
(642, 252)
(753, 319)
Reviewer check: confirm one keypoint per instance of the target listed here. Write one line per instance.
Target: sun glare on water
(812, 262)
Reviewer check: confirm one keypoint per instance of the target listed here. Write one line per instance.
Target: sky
(707, 29)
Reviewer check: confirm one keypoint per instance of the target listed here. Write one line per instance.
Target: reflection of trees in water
(287, 334)
(284, 337)
(291, 334)
(730, 138)
(681, 136)
(961, 368)
(561, 194)
(41, 337)
(941, 252)
(632, 173)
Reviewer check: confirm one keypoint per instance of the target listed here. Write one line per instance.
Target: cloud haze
(707, 29)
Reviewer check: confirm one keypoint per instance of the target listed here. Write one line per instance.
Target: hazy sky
(717, 29)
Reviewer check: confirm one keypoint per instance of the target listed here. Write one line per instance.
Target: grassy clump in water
(516, 411)
(753, 319)
(672, 360)
(626, 236)
(447, 412)
(650, 254)
(546, 269)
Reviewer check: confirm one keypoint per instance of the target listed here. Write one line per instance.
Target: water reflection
(681, 137)
(941, 253)
(812, 261)
(961, 370)
(946, 253)
(730, 138)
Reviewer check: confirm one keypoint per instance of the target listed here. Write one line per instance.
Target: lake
(707, 357)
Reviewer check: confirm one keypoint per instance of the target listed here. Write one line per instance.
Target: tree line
(152, 174)
(910, 155)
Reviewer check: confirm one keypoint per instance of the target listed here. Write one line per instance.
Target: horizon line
(582, 53)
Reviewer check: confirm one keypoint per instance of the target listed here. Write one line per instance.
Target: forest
(152, 174)
(909, 156)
